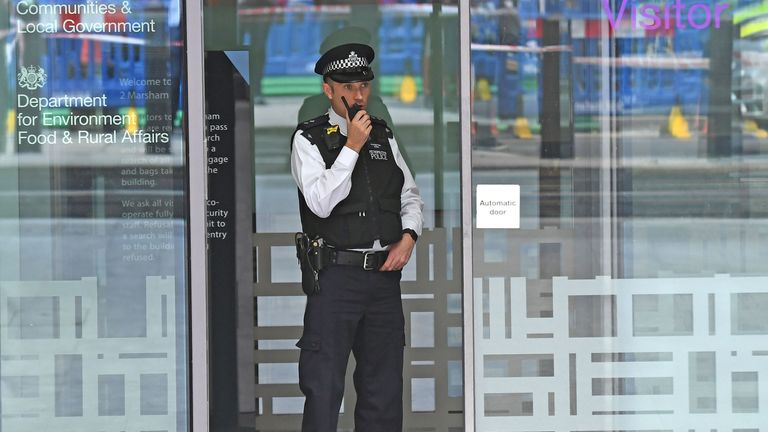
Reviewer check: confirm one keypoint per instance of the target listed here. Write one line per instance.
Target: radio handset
(351, 111)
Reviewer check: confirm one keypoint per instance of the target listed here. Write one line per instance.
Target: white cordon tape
(647, 62)
(414, 9)
(520, 48)
(633, 61)
(102, 38)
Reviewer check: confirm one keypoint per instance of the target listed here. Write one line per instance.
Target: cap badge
(352, 61)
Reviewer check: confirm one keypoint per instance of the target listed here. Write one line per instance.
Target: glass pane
(618, 174)
(93, 281)
(273, 46)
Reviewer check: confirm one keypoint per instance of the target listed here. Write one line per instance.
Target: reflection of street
(658, 175)
(642, 143)
(643, 140)
(413, 124)
(664, 185)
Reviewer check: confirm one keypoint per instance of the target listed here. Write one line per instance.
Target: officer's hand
(358, 130)
(399, 254)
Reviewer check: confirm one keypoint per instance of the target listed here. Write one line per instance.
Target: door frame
(197, 177)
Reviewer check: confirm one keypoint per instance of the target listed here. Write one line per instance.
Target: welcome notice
(650, 16)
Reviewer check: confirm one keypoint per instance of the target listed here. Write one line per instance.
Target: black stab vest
(372, 209)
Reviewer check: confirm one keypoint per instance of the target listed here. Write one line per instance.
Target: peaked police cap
(346, 63)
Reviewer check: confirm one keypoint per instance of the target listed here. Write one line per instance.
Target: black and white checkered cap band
(352, 61)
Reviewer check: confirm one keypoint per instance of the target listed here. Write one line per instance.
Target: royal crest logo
(32, 77)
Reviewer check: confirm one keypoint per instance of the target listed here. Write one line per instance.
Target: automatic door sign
(498, 206)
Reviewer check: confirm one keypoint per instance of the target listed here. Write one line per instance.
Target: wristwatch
(411, 233)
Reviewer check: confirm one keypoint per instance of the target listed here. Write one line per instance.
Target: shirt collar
(336, 119)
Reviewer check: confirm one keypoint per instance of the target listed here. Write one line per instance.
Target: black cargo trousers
(358, 311)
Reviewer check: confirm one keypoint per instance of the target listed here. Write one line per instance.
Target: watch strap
(411, 233)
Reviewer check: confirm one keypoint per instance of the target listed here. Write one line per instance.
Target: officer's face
(355, 93)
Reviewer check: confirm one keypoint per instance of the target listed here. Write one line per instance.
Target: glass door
(94, 216)
(618, 180)
(270, 48)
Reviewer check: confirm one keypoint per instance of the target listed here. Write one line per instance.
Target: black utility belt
(369, 260)
(314, 255)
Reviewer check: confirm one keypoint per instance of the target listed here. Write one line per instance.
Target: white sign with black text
(498, 206)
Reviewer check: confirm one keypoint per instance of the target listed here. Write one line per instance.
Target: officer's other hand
(399, 254)
(358, 130)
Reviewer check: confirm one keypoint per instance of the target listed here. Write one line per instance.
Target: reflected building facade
(617, 284)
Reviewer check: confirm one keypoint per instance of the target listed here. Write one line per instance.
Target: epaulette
(307, 126)
(317, 121)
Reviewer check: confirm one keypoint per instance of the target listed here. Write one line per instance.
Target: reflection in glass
(93, 286)
(640, 157)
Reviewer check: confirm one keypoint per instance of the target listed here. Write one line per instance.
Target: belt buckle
(368, 266)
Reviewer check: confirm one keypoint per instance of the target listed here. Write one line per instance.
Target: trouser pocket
(309, 343)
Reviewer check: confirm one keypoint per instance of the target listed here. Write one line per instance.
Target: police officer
(358, 195)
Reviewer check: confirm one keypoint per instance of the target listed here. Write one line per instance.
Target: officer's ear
(327, 89)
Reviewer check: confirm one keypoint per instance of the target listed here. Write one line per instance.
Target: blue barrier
(292, 49)
(510, 85)
(654, 89)
(485, 30)
(584, 9)
(585, 78)
(528, 9)
(120, 62)
(553, 7)
(637, 89)
(401, 38)
(292, 45)
(690, 41)
(76, 66)
(70, 63)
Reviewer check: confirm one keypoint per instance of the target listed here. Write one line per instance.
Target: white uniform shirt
(324, 188)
